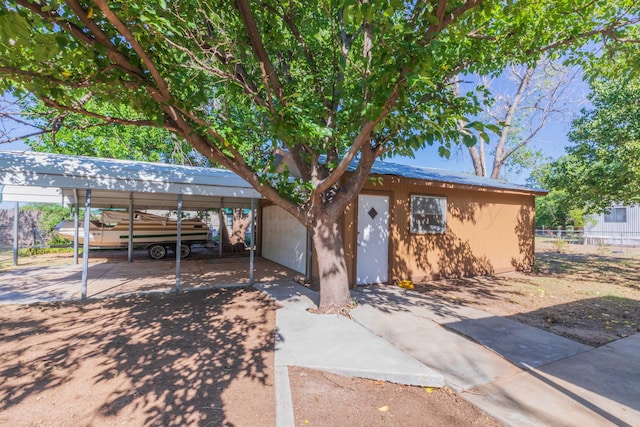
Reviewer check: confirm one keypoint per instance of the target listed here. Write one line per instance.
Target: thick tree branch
(608, 30)
(234, 164)
(259, 50)
(52, 16)
(165, 94)
(447, 18)
(363, 138)
(113, 54)
(499, 156)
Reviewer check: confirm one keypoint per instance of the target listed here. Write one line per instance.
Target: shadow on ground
(144, 360)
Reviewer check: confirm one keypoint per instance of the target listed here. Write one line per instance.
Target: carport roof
(114, 182)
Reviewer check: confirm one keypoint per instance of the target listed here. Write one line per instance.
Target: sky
(552, 140)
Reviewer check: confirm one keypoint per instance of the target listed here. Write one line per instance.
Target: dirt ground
(588, 294)
(196, 358)
(206, 357)
(200, 358)
(325, 399)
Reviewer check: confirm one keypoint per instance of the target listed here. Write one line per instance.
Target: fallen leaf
(383, 408)
(429, 389)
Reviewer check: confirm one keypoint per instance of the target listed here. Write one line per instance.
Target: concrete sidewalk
(520, 375)
(335, 344)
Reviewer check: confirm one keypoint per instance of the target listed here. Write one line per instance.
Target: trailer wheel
(185, 251)
(157, 251)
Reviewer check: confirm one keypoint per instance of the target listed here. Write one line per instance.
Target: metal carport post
(252, 240)
(178, 242)
(15, 233)
(85, 243)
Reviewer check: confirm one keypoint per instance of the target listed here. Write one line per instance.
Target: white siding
(15, 193)
(596, 230)
(284, 239)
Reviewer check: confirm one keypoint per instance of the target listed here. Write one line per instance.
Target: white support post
(252, 241)
(130, 242)
(16, 231)
(85, 243)
(220, 219)
(178, 242)
(76, 220)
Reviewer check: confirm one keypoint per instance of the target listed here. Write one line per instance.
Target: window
(616, 215)
(428, 214)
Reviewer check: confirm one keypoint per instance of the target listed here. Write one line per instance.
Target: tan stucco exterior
(488, 231)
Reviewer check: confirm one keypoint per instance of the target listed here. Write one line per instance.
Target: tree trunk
(234, 240)
(477, 158)
(332, 266)
(241, 222)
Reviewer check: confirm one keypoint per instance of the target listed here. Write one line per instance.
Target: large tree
(602, 167)
(331, 82)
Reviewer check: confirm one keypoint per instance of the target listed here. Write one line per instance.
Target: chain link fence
(582, 237)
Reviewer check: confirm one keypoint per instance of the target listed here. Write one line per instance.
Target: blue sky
(552, 140)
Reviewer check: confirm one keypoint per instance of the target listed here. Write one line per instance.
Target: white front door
(373, 239)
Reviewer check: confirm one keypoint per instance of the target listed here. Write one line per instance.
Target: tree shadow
(454, 258)
(591, 321)
(525, 230)
(175, 354)
(586, 375)
(433, 256)
(610, 370)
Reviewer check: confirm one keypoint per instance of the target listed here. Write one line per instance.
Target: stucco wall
(487, 232)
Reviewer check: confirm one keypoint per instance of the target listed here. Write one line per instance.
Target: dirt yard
(206, 357)
(588, 294)
(200, 358)
(197, 358)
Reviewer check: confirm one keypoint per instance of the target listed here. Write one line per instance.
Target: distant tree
(518, 104)
(553, 211)
(602, 166)
(339, 80)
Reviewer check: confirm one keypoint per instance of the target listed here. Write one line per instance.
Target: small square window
(616, 215)
(428, 214)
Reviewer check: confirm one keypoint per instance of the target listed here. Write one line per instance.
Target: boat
(156, 233)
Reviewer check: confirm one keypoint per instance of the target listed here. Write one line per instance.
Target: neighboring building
(419, 224)
(620, 226)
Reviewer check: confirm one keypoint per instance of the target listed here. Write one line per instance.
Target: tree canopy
(328, 81)
(602, 167)
(52, 131)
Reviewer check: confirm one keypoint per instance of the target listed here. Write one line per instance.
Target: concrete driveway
(58, 279)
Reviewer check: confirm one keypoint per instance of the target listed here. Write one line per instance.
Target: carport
(106, 183)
